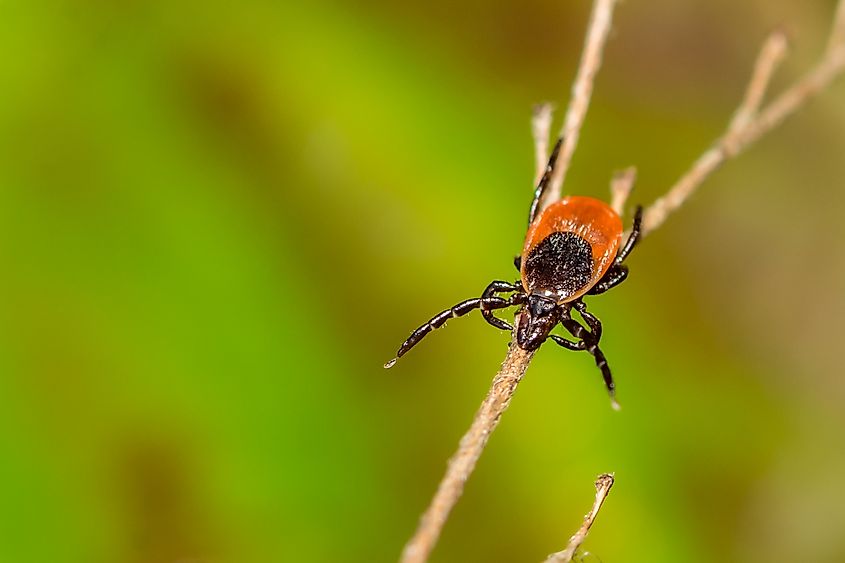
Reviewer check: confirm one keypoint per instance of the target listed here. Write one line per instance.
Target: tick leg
(568, 344)
(615, 275)
(517, 262)
(601, 362)
(544, 182)
(576, 330)
(459, 310)
(632, 238)
(592, 320)
(492, 289)
(589, 343)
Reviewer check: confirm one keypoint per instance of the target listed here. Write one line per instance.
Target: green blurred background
(218, 220)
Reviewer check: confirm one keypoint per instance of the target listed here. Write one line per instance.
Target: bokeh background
(218, 220)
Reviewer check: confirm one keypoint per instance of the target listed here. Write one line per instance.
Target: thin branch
(603, 485)
(620, 188)
(541, 125)
(582, 89)
(463, 462)
(749, 125)
(771, 55)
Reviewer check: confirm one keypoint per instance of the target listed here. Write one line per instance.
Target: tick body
(572, 249)
(569, 247)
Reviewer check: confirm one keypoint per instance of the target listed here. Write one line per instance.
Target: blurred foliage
(218, 220)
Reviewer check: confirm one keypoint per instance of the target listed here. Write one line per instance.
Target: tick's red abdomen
(569, 247)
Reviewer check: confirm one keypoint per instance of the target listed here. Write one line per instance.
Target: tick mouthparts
(390, 364)
(613, 403)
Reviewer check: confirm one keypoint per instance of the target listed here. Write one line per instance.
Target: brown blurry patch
(164, 517)
(230, 95)
(55, 153)
(719, 496)
(503, 39)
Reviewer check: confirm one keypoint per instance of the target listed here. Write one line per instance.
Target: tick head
(536, 321)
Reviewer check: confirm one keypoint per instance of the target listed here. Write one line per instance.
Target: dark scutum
(562, 263)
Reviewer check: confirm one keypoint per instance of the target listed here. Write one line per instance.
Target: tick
(573, 248)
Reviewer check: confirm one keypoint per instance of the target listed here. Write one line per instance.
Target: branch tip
(771, 55)
(603, 484)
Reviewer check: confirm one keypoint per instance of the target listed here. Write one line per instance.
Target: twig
(463, 462)
(749, 124)
(603, 485)
(582, 89)
(620, 188)
(541, 124)
(793, 98)
(771, 55)
(516, 362)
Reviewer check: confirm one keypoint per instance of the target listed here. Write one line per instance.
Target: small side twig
(603, 484)
(771, 55)
(620, 188)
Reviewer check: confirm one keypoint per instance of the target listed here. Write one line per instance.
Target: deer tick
(573, 248)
